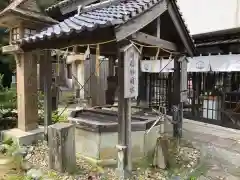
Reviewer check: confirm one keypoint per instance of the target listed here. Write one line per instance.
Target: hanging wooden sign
(183, 84)
(131, 63)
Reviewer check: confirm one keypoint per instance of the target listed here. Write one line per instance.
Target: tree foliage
(7, 63)
(8, 104)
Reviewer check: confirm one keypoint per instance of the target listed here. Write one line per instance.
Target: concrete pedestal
(23, 137)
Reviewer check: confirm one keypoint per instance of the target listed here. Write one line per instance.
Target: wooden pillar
(41, 71)
(194, 96)
(199, 91)
(111, 63)
(27, 91)
(75, 83)
(93, 81)
(74, 75)
(180, 93)
(128, 88)
(80, 76)
(123, 110)
(176, 94)
(47, 63)
(169, 93)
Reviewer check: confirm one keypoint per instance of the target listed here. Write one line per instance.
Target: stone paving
(220, 147)
(218, 162)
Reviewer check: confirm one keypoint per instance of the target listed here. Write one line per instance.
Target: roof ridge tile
(102, 4)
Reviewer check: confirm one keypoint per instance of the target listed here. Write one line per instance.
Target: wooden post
(93, 81)
(121, 119)
(111, 82)
(62, 153)
(194, 97)
(128, 88)
(111, 63)
(47, 63)
(27, 91)
(161, 155)
(75, 83)
(176, 94)
(74, 77)
(180, 93)
(41, 72)
(128, 134)
(148, 90)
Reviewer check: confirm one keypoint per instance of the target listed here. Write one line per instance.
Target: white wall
(209, 15)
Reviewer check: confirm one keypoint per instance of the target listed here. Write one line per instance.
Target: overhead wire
(80, 84)
(65, 108)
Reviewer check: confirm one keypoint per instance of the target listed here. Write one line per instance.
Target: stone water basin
(97, 134)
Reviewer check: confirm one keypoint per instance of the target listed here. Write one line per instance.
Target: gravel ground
(38, 157)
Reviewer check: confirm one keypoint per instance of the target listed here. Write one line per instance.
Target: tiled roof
(110, 15)
(218, 33)
(226, 36)
(19, 7)
(217, 42)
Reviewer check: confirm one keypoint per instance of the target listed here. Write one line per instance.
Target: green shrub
(56, 117)
(8, 103)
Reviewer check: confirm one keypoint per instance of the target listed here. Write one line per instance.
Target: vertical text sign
(131, 59)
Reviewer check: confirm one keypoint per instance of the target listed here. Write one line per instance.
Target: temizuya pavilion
(118, 22)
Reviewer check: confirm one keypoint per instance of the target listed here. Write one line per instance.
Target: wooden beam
(185, 37)
(140, 21)
(148, 39)
(159, 27)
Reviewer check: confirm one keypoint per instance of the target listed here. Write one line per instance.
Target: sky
(209, 15)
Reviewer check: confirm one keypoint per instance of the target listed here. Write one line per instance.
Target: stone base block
(101, 147)
(62, 153)
(22, 137)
